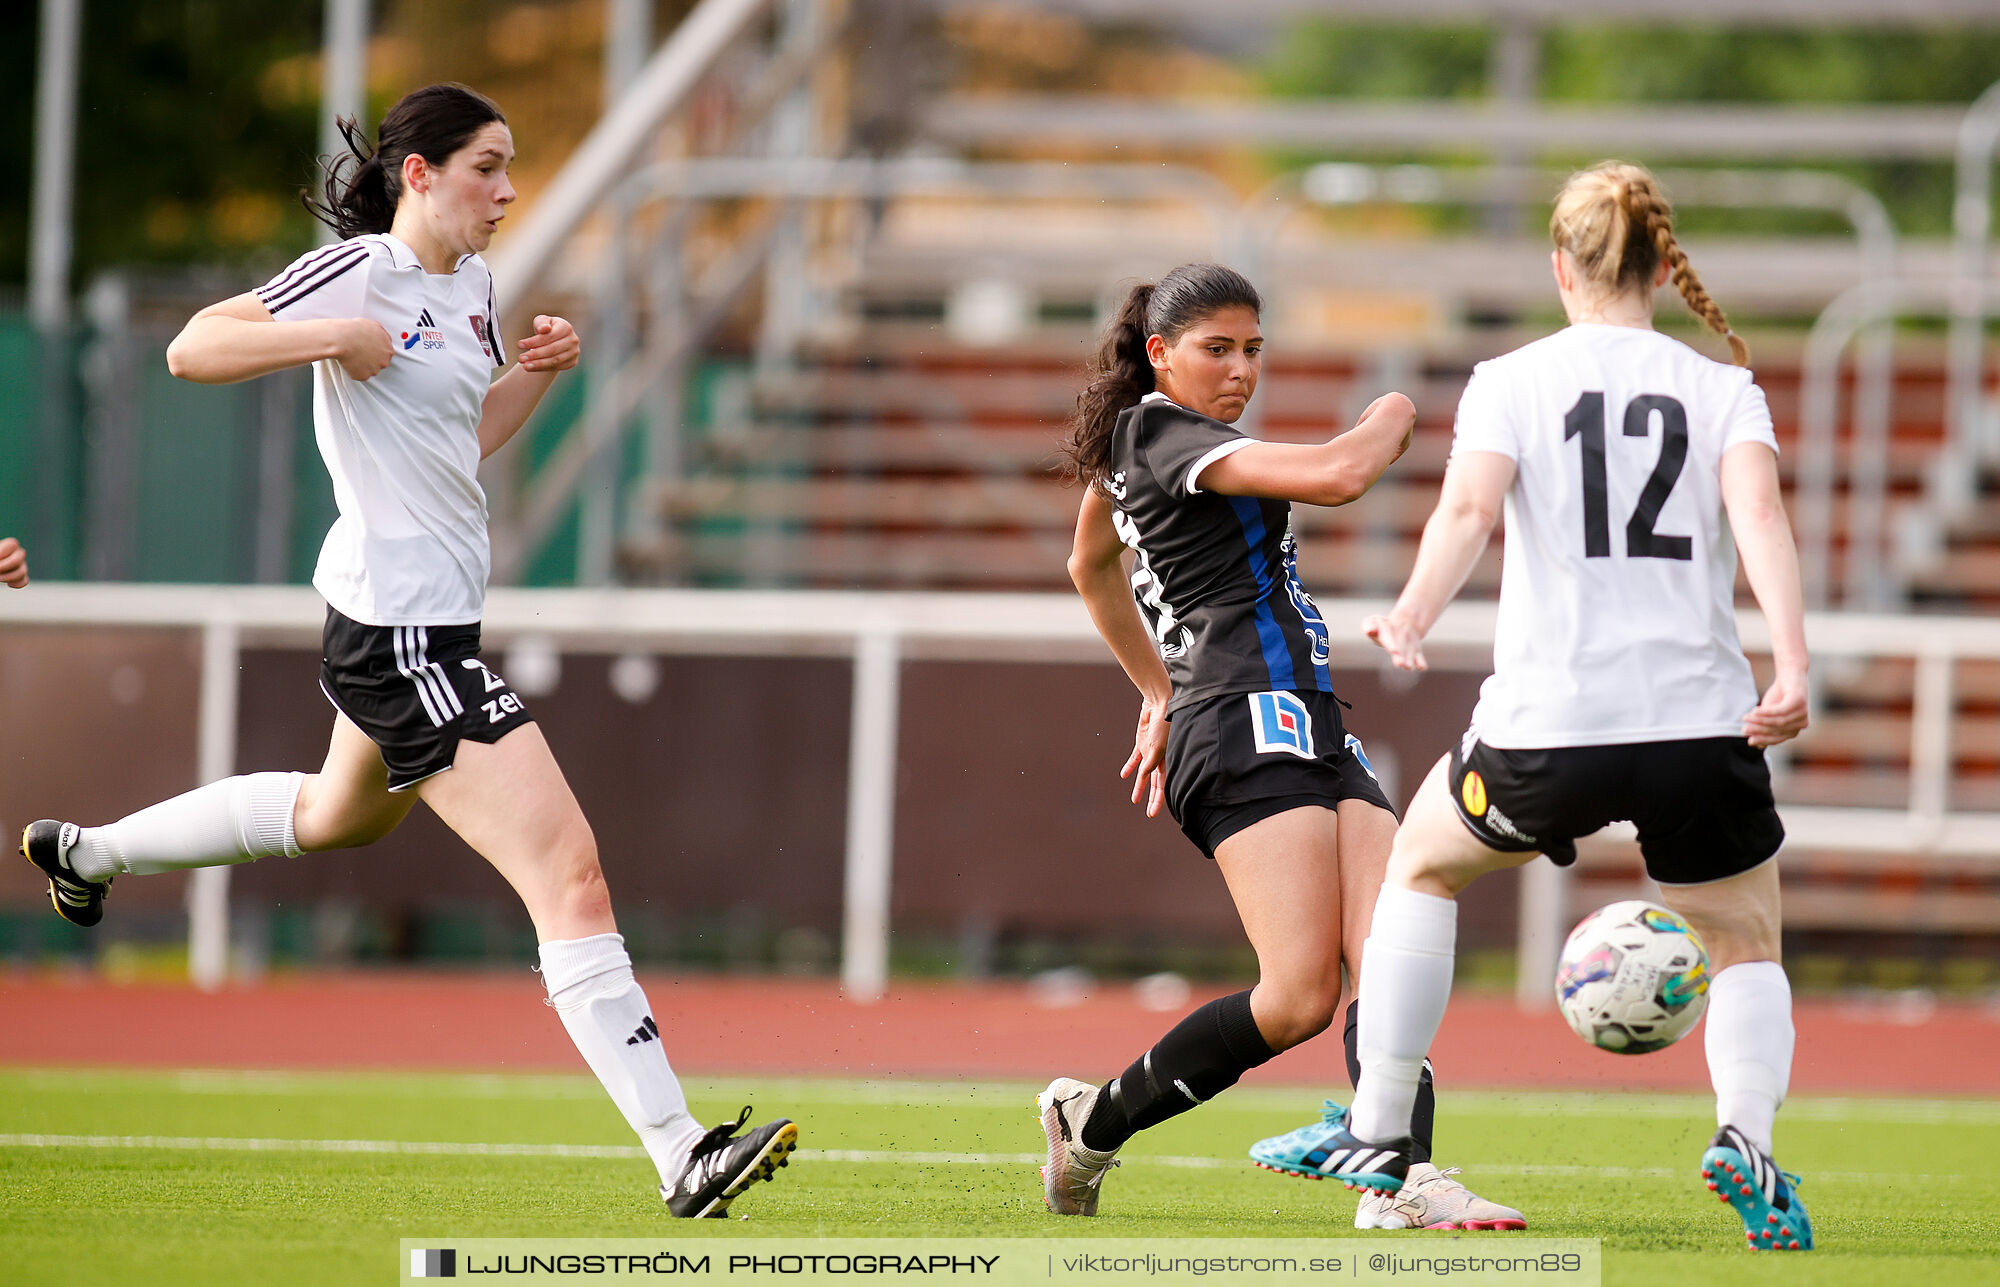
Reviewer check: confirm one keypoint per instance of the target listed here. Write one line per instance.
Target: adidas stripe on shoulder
(313, 271)
(492, 326)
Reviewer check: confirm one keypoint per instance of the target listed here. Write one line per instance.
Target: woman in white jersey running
(1240, 733)
(398, 323)
(1633, 471)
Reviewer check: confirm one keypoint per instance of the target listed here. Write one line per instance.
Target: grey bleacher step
(969, 558)
(1397, 506)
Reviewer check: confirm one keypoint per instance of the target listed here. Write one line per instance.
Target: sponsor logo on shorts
(1501, 823)
(1280, 722)
(497, 708)
(1473, 792)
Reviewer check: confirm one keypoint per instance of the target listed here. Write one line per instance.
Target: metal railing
(637, 363)
(1971, 228)
(880, 631)
(616, 145)
(608, 169)
(1866, 308)
(1245, 232)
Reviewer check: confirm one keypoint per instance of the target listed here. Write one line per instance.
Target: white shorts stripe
(441, 689)
(447, 695)
(404, 668)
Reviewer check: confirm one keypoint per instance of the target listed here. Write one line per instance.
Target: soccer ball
(1633, 978)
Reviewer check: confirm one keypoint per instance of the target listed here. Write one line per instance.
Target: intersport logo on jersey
(425, 332)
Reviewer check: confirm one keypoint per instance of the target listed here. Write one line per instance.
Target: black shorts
(416, 691)
(1703, 806)
(1240, 758)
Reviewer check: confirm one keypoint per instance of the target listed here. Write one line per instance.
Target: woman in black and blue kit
(1240, 734)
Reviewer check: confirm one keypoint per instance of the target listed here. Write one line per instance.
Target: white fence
(880, 630)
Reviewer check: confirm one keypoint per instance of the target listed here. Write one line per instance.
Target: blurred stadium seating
(840, 265)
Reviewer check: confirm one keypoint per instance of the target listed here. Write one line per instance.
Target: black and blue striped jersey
(1215, 576)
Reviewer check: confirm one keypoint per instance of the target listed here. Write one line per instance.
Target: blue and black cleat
(1744, 1176)
(1328, 1150)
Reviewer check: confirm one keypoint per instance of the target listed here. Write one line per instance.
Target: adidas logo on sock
(648, 1031)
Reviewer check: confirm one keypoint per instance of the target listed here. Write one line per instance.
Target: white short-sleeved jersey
(410, 546)
(1617, 593)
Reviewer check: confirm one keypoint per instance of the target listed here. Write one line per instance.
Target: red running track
(711, 1025)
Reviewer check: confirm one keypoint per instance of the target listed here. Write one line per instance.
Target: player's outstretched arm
(1334, 472)
(512, 398)
(1475, 484)
(1756, 509)
(1097, 567)
(238, 339)
(13, 563)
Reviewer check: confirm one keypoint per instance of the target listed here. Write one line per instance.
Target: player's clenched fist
(365, 348)
(13, 563)
(553, 347)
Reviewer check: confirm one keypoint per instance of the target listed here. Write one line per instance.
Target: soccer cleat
(1072, 1174)
(1328, 1150)
(1442, 1202)
(721, 1166)
(1380, 1210)
(1767, 1199)
(47, 844)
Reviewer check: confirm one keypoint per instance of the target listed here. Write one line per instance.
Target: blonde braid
(1650, 212)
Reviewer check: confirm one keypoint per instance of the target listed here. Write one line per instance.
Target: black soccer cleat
(722, 1166)
(47, 844)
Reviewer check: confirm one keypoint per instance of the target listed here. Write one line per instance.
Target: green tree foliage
(185, 124)
(1595, 63)
(1322, 59)
(1768, 65)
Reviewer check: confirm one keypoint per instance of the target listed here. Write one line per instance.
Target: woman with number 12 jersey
(1618, 586)
(1632, 471)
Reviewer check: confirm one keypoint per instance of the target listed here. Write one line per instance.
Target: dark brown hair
(1121, 373)
(362, 186)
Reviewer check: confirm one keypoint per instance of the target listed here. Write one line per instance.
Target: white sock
(591, 986)
(1405, 982)
(1749, 1040)
(235, 820)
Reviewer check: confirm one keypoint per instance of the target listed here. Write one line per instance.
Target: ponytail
(360, 196)
(1121, 373)
(1652, 216)
(1618, 228)
(361, 187)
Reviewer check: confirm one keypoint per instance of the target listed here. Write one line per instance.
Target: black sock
(1200, 1058)
(1423, 1118)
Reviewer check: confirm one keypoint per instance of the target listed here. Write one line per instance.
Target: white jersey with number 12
(1617, 595)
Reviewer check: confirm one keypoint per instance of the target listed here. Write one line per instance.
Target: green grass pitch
(146, 1177)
